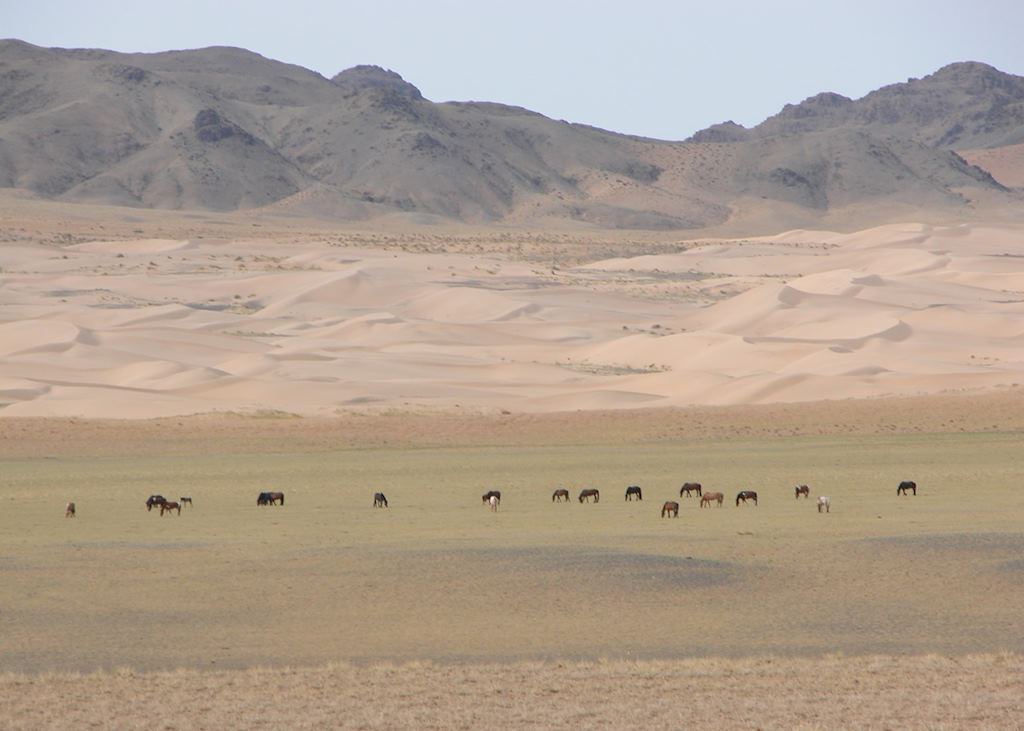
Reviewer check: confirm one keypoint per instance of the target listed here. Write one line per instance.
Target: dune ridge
(149, 328)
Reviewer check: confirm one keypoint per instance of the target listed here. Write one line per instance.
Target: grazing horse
(670, 508)
(689, 487)
(69, 511)
(270, 498)
(167, 506)
(745, 495)
(561, 495)
(634, 491)
(711, 497)
(824, 502)
(154, 500)
(907, 485)
(489, 494)
(802, 490)
(590, 493)
(379, 501)
(493, 502)
(185, 501)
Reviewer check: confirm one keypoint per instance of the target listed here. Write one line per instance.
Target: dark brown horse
(154, 500)
(69, 510)
(167, 506)
(799, 490)
(560, 495)
(689, 487)
(270, 498)
(906, 485)
(185, 501)
(379, 501)
(633, 491)
(711, 497)
(744, 495)
(671, 509)
(489, 494)
(585, 495)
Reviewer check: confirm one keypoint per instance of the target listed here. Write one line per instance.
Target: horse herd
(492, 498)
(671, 508)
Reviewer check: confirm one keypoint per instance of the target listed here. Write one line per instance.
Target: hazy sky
(661, 69)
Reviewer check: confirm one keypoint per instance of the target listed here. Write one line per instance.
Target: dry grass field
(461, 617)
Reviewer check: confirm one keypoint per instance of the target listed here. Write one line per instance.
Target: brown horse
(561, 495)
(585, 495)
(379, 501)
(671, 509)
(185, 501)
(906, 485)
(270, 498)
(689, 487)
(799, 490)
(69, 510)
(711, 497)
(489, 494)
(633, 491)
(168, 506)
(744, 495)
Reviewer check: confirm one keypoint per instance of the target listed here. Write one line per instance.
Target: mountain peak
(359, 78)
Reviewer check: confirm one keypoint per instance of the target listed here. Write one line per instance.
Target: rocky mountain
(960, 106)
(224, 129)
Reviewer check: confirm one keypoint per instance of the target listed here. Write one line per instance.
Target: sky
(645, 67)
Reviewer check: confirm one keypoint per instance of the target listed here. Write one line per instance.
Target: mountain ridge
(223, 128)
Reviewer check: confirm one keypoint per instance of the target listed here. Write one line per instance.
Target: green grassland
(438, 576)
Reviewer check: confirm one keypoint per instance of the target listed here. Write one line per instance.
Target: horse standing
(670, 508)
(493, 502)
(744, 495)
(489, 494)
(561, 495)
(711, 497)
(824, 502)
(168, 506)
(801, 490)
(633, 491)
(585, 495)
(153, 501)
(689, 487)
(906, 485)
(185, 501)
(69, 510)
(379, 501)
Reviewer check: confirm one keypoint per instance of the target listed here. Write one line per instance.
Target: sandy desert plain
(220, 355)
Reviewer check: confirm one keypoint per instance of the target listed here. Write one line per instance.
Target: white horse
(824, 502)
(493, 502)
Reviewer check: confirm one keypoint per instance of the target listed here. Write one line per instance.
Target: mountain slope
(224, 128)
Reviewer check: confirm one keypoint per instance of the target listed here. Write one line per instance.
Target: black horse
(491, 493)
(689, 487)
(153, 501)
(379, 501)
(270, 498)
(633, 491)
(907, 485)
(744, 495)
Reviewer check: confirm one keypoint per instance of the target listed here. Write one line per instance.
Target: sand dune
(165, 326)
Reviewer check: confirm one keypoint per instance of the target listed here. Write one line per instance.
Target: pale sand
(173, 326)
